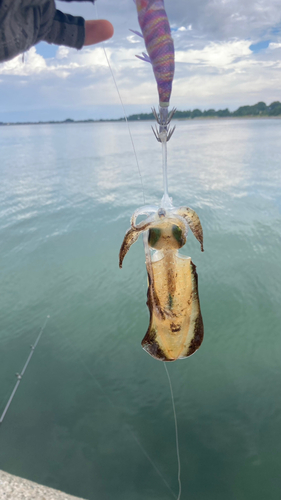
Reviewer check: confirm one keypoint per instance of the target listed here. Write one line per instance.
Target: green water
(93, 414)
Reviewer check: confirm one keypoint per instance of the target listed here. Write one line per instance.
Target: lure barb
(164, 132)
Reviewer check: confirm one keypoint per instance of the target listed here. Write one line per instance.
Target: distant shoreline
(122, 120)
(259, 110)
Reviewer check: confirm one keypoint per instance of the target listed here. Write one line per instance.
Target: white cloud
(62, 52)
(33, 64)
(214, 64)
(188, 28)
(273, 46)
(217, 55)
(66, 62)
(133, 39)
(69, 61)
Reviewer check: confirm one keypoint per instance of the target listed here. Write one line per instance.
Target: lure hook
(163, 118)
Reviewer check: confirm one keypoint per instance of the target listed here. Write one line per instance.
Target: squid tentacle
(145, 210)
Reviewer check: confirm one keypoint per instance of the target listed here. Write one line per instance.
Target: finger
(97, 31)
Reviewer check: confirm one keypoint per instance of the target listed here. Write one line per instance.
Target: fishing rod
(21, 374)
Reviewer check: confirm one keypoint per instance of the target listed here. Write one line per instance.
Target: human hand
(24, 23)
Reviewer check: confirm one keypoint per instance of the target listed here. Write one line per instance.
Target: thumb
(97, 31)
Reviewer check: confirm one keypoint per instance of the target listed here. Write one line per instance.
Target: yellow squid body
(177, 331)
(176, 327)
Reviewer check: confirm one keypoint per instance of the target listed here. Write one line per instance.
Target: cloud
(216, 65)
(133, 39)
(273, 46)
(188, 28)
(216, 55)
(67, 60)
(224, 19)
(33, 64)
(217, 20)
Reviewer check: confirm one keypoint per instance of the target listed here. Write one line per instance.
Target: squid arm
(194, 223)
(131, 237)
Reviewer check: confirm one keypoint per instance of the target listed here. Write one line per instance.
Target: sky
(228, 54)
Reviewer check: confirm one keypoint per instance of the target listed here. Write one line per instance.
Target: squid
(175, 328)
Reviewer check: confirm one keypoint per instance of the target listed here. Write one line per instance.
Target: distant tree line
(259, 109)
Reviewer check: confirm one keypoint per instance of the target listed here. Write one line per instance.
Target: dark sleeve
(66, 30)
(23, 23)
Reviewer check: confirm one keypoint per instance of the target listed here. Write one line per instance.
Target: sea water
(93, 414)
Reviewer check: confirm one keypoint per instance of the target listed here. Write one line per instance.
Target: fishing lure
(176, 327)
(159, 44)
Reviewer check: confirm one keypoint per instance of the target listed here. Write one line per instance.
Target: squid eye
(153, 236)
(177, 234)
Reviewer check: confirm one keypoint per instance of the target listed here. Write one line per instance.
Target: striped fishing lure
(159, 44)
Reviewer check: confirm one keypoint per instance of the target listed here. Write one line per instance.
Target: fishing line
(176, 430)
(152, 463)
(169, 379)
(21, 374)
(124, 111)
(120, 412)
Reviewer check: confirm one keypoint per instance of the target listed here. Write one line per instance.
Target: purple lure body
(159, 44)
